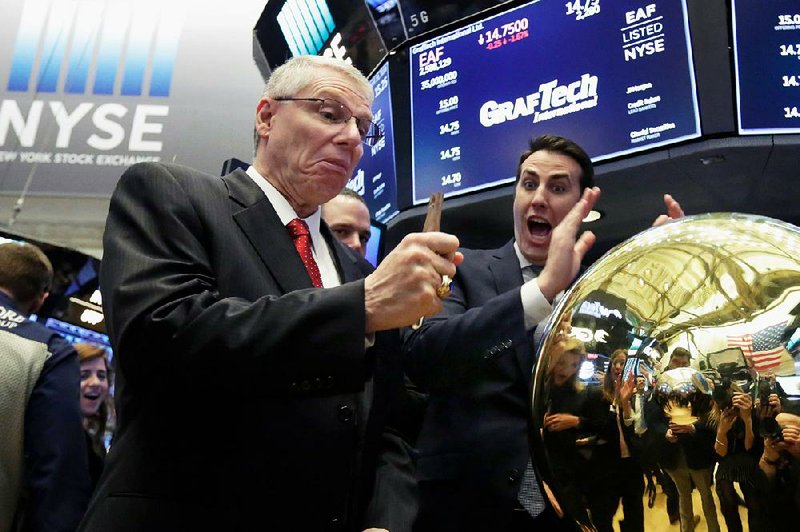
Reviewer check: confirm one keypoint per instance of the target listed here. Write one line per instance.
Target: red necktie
(302, 241)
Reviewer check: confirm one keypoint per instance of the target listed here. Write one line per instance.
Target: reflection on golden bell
(672, 324)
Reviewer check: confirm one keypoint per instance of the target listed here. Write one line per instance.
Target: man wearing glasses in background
(257, 358)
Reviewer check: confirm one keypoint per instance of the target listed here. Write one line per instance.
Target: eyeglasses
(335, 112)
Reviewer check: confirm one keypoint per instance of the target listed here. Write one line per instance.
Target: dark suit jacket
(246, 398)
(697, 447)
(475, 358)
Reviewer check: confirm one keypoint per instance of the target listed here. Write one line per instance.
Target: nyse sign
(108, 131)
(53, 132)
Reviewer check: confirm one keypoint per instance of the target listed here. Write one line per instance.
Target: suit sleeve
(394, 502)
(450, 349)
(56, 460)
(168, 318)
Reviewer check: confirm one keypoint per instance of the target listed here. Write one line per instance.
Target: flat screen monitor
(766, 42)
(338, 28)
(376, 242)
(375, 176)
(616, 80)
(425, 15)
(75, 334)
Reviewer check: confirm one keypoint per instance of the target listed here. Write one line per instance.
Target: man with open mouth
(476, 356)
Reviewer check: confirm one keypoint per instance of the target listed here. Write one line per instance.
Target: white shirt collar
(285, 211)
(523, 262)
(322, 253)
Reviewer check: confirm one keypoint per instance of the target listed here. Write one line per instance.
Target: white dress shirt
(536, 307)
(321, 251)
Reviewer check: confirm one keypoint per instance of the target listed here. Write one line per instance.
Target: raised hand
(566, 249)
(744, 403)
(674, 211)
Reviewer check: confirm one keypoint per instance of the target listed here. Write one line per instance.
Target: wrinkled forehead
(331, 83)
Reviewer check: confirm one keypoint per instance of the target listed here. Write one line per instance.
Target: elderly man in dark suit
(256, 360)
(475, 358)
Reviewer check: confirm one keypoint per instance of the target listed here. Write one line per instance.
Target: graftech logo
(112, 47)
(306, 25)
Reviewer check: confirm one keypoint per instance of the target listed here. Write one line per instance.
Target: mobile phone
(631, 367)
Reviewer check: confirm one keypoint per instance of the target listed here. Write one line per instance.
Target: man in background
(686, 454)
(475, 358)
(347, 216)
(44, 473)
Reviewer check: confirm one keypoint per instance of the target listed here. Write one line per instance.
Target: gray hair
(298, 72)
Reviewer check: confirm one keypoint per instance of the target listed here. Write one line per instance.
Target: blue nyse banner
(616, 77)
(89, 88)
(766, 38)
(375, 177)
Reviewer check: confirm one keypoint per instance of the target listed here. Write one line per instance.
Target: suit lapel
(257, 219)
(508, 276)
(505, 269)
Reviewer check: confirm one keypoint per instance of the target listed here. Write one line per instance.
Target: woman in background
(738, 449)
(564, 423)
(95, 403)
(614, 466)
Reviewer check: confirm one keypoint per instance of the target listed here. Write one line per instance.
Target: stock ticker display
(616, 77)
(766, 38)
(374, 177)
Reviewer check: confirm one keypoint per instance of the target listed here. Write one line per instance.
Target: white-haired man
(256, 356)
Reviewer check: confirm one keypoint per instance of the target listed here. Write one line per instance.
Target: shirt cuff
(534, 304)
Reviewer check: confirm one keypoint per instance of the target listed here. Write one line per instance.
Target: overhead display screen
(766, 39)
(375, 178)
(343, 29)
(616, 77)
(424, 15)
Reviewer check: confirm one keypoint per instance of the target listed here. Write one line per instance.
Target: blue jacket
(56, 486)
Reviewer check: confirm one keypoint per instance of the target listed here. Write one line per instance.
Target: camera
(724, 386)
(768, 428)
(766, 387)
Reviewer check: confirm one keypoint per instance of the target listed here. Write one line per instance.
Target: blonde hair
(568, 346)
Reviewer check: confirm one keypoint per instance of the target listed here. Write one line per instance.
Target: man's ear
(265, 111)
(38, 302)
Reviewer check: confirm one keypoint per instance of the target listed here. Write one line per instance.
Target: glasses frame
(370, 139)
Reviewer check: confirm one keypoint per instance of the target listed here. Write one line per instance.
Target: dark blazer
(246, 398)
(698, 446)
(475, 359)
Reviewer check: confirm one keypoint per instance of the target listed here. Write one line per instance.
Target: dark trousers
(626, 482)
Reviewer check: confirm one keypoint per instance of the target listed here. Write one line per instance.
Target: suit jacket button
(345, 414)
(513, 475)
(305, 386)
